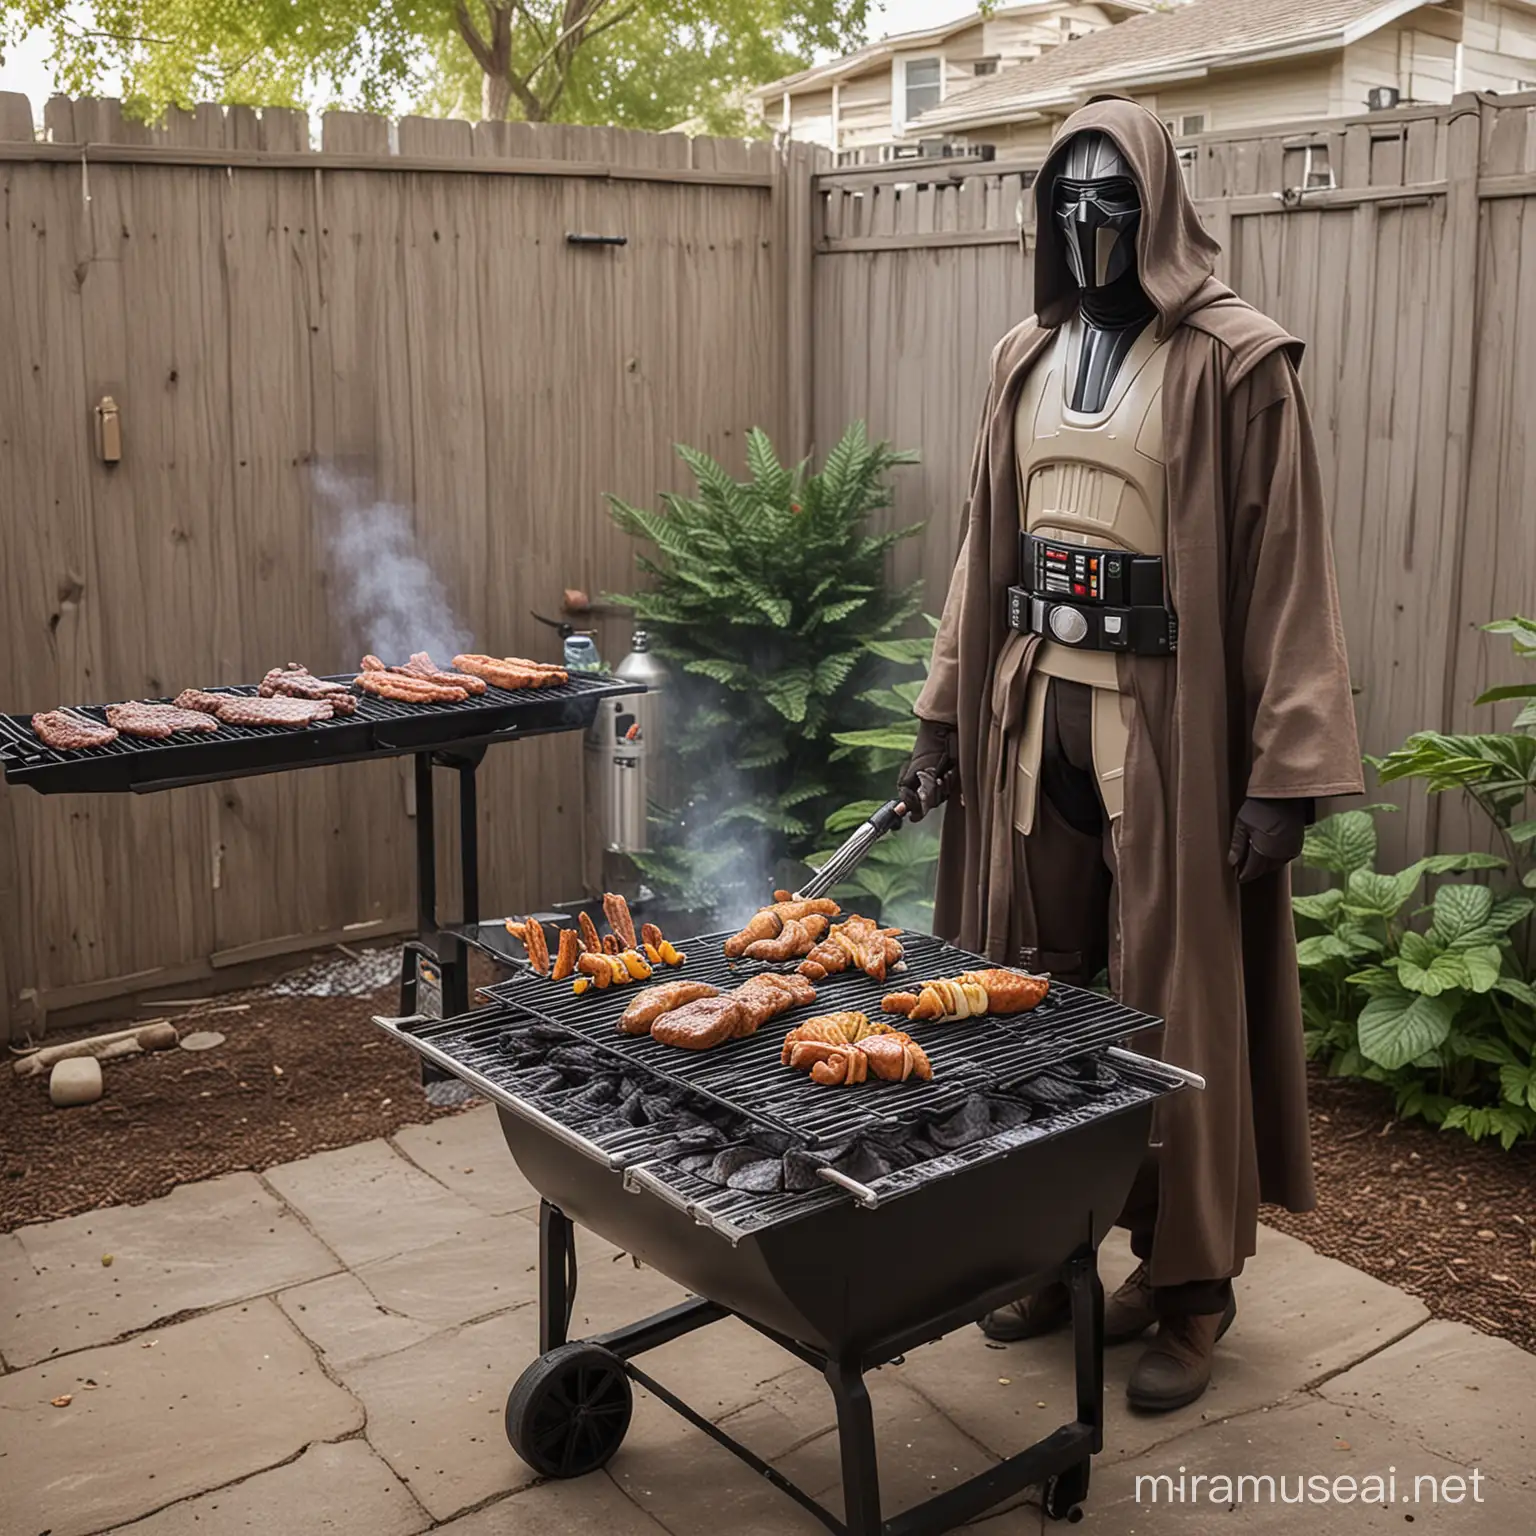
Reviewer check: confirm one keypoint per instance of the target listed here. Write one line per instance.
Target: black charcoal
(762, 1178)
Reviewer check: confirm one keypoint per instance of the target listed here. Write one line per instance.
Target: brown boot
(1043, 1311)
(1129, 1312)
(1176, 1367)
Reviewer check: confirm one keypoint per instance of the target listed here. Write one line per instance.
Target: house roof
(899, 42)
(1182, 42)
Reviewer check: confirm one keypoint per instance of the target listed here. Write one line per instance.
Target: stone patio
(327, 1347)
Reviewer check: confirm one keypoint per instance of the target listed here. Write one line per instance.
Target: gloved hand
(933, 773)
(1267, 836)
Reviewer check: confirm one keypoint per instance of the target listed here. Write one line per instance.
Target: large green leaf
(1461, 912)
(1483, 964)
(1320, 908)
(1369, 894)
(1395, 1030)
(1342, 843)
(1320, 950)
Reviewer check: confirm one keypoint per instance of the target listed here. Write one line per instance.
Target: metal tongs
(852, 853)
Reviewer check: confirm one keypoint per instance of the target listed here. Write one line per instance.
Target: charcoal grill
(844, 1273)
(449, 734)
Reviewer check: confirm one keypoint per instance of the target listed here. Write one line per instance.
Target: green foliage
(1440, 1012)
(1497, 769)
(638, 63)
(899, 871)
(769, 597)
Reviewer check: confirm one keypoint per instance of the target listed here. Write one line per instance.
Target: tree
(639, 63)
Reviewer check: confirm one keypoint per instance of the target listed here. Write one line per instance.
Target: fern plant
(899, 872)
(768, 596)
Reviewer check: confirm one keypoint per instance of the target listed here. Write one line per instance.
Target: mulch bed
(1450, 1221)
(295, 1075)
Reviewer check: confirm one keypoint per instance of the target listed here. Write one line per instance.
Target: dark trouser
(1072, 867)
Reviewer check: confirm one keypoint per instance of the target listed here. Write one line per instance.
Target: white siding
(1419, 64)
(1499, 52)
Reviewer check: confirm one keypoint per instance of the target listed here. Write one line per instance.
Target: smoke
(383, 587)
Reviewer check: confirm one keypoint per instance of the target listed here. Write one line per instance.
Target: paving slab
(172, 1414)
(1300, 1318)
(343, 1319)
(201, 1246)
(584, 1506)
(920, 1451)
(1306, 1438)
(487, 1267)
(331, 1490)
(1457, 1391)
(367, 1202)
(436, 1411)
(468, 1155)
(694, 1487)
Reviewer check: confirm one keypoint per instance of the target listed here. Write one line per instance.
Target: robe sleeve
(1286, 643)
(940, 698)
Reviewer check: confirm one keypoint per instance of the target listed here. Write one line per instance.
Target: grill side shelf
(378, 728)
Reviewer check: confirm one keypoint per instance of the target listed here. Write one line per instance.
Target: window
(989, 67)
(922, 86)
(1185, 124)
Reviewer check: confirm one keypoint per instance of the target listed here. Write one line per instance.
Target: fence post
(793, 193)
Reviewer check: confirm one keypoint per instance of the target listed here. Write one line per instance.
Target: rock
(75, 1080)
(157, 1037)
(201, 1040)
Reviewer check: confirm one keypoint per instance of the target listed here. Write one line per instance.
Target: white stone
(75, 1080)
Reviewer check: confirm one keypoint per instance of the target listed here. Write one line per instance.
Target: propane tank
(632, 745)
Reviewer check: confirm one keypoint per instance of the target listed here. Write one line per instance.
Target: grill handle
(851, 854)
(860, 1192)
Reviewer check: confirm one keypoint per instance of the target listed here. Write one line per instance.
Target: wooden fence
(402, 305)
(1412, 280)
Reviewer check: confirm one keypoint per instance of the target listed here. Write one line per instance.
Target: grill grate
(379, 727)
(748, 1074)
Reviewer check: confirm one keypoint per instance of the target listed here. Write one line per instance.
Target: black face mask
(1097, 208)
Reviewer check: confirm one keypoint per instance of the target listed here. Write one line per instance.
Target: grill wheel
(1065, 1493)
(570, 1410)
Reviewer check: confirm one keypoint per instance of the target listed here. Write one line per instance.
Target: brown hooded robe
(1255, 702)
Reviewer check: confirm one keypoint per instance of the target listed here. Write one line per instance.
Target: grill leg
(1088, 1341)
(856, 1440)
(557, 1281)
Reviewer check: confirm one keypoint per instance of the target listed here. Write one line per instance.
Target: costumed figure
(1138, 691)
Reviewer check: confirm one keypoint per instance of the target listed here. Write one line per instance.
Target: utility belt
(1092, 599)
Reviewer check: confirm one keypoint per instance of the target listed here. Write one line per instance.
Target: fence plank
(15, 117)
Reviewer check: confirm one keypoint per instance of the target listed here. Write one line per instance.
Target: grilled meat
(650, 1004)
(969, 995)
(895, 1057)
(616, 910)
(589, 936)
(422, 665)
(298, 682)
(65, 731)
(844, 1048)
(858, 943)
(1010, 991)
(404, 689)
(537, 946)
(511, 672)
(701, 1024)
(795, 938)
(281, 710)
(201, 700)
(768, 922)
(157, 721)
(565, 960)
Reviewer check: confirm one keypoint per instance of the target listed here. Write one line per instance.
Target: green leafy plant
(1497, 769)
(899, 871)
(769, 595)
(1439, 1012)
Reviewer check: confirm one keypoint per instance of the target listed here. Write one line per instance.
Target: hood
(1175, 255)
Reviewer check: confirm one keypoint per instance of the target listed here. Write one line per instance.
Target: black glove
(933, 774)
(1267, 836)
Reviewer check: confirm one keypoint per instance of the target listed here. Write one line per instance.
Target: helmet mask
(1096, 204)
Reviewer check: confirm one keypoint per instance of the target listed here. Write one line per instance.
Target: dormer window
(922, 86)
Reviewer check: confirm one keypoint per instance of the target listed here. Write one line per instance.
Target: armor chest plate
(1095, 479)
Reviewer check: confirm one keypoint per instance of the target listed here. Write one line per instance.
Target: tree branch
(476, 44)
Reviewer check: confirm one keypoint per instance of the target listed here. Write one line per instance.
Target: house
(1214, 65)
(864, 105)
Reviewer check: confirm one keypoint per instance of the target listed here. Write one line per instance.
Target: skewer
(851, 854)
